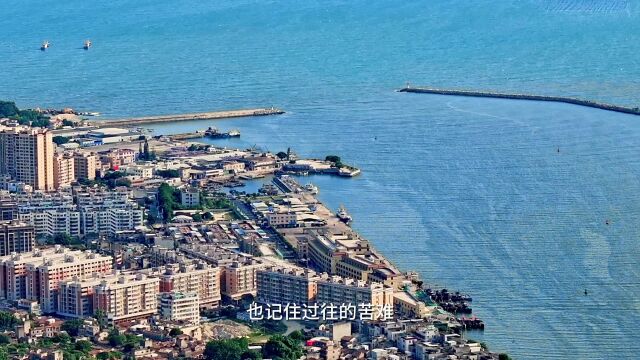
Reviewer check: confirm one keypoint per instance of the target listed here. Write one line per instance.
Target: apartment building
(190, 197)
(196, 277)
(63, 170)
(8, 208)
(130, 297)
(43, 279)
(76, 296)
(337, 290)
(81, 212)
(85, 165)
(285, 286)
(180, 307)
(16, 237)
(26, 154)
(35, 275)
(240, 279)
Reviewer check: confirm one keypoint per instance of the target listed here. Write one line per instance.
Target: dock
(187, 136)
(532, 97)
(130, 122)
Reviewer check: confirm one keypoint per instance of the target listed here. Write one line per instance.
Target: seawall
(188, 117)
(561, 99)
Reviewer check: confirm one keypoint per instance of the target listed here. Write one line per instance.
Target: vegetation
(175, 332)
(504, 356)
(167, 174)
(111, 180)
(4, 339)
(109, 355)
(59, 140)
(8, 321)
(66, 122)
(282, 347)
(230, 349)
(63, 239)
(24, 117)
(332, 158)
(168, 200)
(197, 147)
(281, 155)
(128, 342)
(72, 327)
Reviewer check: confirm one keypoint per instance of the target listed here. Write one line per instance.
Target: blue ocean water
(473, 193)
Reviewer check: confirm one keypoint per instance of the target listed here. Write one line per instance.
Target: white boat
(311, 188)
(87, 44)
(44, 46)
(343, 215)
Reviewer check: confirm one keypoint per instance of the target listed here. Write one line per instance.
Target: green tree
(4, 339)
(251, 355)
(175, 332)
(8, 109)
(297, 335)
(282, 347)
(8, 321)
(230, 349)
(168, 174)
(83, 346)
(504, 356)
(196, 217)
(332, 158)
(4, 354)
(281, 155)
(59, 140)
(61, 338)
(66, 122)
(115, 338)
(72, 327)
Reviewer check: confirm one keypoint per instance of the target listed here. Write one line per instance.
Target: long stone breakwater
(188, 117)
(489, 94)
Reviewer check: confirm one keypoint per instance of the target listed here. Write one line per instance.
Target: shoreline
(529, 97)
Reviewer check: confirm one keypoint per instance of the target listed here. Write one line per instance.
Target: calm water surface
(471, 192)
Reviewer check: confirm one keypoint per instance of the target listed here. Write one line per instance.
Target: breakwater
(489, 94)
(188, 117)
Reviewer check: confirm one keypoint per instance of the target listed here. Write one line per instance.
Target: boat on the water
(343, 215)
(87, 44)
(312, 189)
(45, 45)
(214, 133)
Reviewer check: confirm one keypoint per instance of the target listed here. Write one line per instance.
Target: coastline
(530, 97)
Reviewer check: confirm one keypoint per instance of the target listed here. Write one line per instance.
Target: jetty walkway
(489, 94)
(188, 117)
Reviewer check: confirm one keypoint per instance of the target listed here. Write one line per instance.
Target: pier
(188, 117)
(514, 96)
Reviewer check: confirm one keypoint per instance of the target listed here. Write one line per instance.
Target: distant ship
(343, 215)
(44, 46)
(87, 44)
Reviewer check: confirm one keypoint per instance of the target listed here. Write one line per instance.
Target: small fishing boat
(45, 45)
(87, 44)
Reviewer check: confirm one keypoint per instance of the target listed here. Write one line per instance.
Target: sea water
(506, 200)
